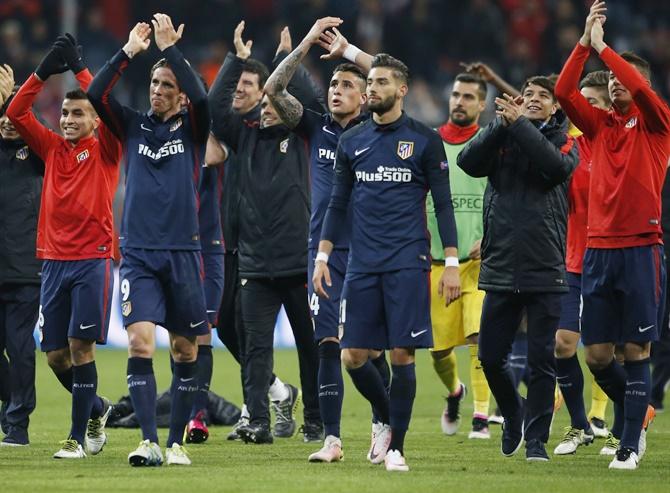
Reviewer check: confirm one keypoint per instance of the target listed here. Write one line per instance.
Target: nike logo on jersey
(417, 334)
(184, 380)
(85, 327)
(637, 382)
(193, 326)
(645, 329)
(327, 385)
(145, 128)
(358, 152)
(211, 311)
(325, 129)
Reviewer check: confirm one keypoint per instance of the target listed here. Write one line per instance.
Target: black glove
(51, 64)
(71, 52)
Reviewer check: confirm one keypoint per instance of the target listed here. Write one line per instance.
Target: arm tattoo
(288, 108)
(284, 72)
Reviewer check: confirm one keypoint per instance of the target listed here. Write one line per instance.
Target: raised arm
(37, 136)
(338, 47)
(653, 108)
(6, 85)
(491, 76)
(586, 117)
(110, 111)
(166, 38)
(226, 123)
(288, 107)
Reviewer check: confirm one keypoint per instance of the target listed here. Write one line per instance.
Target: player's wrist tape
(351, 52)
(451, 262)
(321, 257)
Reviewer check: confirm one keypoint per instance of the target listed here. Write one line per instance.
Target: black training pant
(19, 309)
(261, 301)
(501, 316)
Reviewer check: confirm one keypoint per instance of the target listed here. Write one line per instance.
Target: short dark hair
(354, 69)
(467, 78)
(398, 68)
(542, 81)
(640, 63)
(76, 94)
(257, 67)
(597, 78)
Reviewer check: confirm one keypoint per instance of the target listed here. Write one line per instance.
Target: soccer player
(160, 241)
(385, 166)
(21, 172)
(528, 158)
(623, 278)
(568, 370)
(74, 238)
(273, 219)
(458, 324)
(323, 128)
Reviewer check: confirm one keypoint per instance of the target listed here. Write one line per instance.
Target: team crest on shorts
(82, 156)
(176, 125)
(22, 153)
(405, 149)
(283, 146)
(126, 308)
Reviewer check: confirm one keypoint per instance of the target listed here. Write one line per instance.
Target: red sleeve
(110, 145)
(84, 78)
(654, 110)
(37, 136)
(585, 117)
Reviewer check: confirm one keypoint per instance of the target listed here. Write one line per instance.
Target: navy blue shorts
(164, 287)
(571, 304)
(624, 294)
(326, 312)
(213, 284)
(75, 301)
(386, 310)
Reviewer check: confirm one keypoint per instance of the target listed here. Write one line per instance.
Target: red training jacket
(75, 220)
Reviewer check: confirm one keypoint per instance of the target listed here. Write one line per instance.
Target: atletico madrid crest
(405, 149)
(176, 125)
(22, 153)
(126, 308)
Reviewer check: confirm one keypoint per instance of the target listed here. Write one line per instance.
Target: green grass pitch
(438, 463)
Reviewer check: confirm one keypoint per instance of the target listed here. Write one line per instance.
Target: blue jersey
(163, 159)
(323, 134)
(209, 214)
(387, 171)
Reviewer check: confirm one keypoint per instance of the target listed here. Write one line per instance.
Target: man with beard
(346, 94)
(388, 163)
(458, 324)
